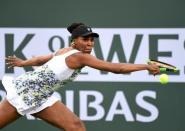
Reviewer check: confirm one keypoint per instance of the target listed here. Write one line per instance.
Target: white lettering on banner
(121, 100)
(147, 106)
(132, 45)
(97, 104)
(70, 100)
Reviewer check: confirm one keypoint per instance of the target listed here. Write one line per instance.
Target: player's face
(84, 44)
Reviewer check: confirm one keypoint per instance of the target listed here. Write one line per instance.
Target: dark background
(98, 13)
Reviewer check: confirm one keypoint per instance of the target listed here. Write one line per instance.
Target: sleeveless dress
(33, 91)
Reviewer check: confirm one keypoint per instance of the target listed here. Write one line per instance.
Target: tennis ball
(163, 78)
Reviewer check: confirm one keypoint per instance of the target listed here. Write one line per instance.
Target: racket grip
(163, 70)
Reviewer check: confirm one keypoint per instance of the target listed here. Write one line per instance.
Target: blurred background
(130, 31)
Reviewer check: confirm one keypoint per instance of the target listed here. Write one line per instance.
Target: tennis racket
(164, 67)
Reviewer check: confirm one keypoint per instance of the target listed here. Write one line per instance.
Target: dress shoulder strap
(71, 52)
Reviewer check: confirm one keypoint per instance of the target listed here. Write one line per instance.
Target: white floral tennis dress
(33, 91)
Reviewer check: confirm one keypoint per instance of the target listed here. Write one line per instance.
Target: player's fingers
(156, 72)
(8, 59)
(14, 57)
(11, 63)
(8, 63)
(11, 57)
(10, 66)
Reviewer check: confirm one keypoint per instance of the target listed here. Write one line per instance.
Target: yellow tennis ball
(163, 78)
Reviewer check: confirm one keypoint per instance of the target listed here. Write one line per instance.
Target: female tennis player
(32, 92)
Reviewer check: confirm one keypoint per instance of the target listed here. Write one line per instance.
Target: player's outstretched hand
(154, 69)
(13, 61)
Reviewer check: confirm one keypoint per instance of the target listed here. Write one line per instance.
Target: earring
(73, 43)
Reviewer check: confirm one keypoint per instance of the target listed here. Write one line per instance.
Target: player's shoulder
(62, 51)
(82, 56)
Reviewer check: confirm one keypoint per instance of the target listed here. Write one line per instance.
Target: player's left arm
(13, 61)
(82, 60)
